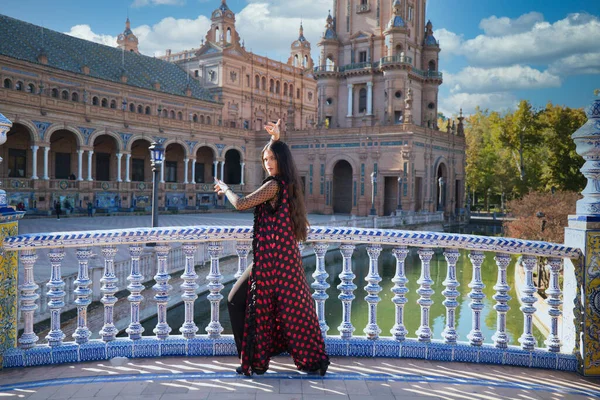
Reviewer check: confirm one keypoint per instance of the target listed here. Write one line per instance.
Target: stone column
(162, 171)
(46, 151)
(80, 165)
(216, 168)
(193, 171)
(350, 101)
(369, 98)
(222, 170)
(242, 179)
(34, 150)
(581, 315)
(185, 170)
(127, 168)
(119, 156)
(90, 153)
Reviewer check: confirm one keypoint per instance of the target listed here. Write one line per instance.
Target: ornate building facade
(254, 89)
(360, 123)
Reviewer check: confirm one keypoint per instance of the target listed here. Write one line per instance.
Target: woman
(270, 306)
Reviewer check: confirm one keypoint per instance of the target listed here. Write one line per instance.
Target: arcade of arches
(108, 173)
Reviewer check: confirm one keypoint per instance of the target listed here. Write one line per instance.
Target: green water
(385, 308)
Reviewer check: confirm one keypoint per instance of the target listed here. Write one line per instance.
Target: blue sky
(494, 53)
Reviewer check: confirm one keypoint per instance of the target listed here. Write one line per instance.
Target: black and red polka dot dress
(280, 312)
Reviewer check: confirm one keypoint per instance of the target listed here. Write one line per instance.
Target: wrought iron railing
(372, 343)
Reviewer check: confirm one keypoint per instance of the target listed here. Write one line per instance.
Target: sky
(494, 53)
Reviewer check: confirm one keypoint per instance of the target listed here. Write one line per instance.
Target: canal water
(385, 308)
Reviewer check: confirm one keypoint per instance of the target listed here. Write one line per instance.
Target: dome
(223, 6)
(396, 22)
(330, 34)
(431, 41)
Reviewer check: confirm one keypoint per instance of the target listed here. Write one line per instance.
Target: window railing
(402, 59)
(363, 8)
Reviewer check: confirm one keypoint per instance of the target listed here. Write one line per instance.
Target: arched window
(19, 86)
(257, 82)
(285, 89)
(310, 96)
(180, 115)
(398, 50)
(291, 90)
(362, 100)
(113, 104)
(148, 110)
(131, 107)
(105, 103)
(228, 35)
(207, 120)
(277, 87)
(217, 36)
(7, 84)
(305, 61)
(264, 83)
(431, 65)
(195, 118)
(95, 101)
(297, 93)
(75, 96)
(140, 109)
(165, 113)
(172, 114)
(55, 94)
(31, 88)
(271, 86)
(431, 105)
(202, 119)
(296, 61)
(329, 62)
(64, 95)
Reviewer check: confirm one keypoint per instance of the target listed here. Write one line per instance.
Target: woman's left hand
(220, 187)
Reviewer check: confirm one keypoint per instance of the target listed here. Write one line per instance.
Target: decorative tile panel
(92, 351)
(119, 348)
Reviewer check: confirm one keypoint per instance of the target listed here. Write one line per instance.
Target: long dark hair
(287, 171)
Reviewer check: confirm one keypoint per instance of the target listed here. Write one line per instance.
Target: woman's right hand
(273, 129)
(220, 187)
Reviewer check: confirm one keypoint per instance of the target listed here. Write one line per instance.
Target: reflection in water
(385, 308)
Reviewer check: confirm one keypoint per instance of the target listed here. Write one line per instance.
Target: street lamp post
(373, 183)
(156, 156)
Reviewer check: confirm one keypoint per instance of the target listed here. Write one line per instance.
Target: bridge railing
(186, 340)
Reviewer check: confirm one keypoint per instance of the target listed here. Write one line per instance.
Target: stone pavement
(347, 378)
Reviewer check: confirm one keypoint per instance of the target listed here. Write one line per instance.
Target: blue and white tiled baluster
(109, 288)
(135, 287)
(527, 340)
(450, 293)
(215, 286)
(553, 300)
(56, 296)
(425, 292)
(83, 293)
(400, 290)
(242, 248)
(373, 288)
(476, 295)
(346, 288)
(189, 287)
(161, 291)
(320, 285)
(28, 298)
(502, 298)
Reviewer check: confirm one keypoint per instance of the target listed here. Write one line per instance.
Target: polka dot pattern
(280, 314)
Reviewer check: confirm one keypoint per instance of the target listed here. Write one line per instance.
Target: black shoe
(239, 370)
(321, 370)
(256, 371)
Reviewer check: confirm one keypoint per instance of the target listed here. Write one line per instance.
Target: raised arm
(266, 192)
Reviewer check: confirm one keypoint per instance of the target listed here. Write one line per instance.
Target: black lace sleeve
(268, 191)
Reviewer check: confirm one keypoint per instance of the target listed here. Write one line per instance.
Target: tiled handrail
(189, 342)
(320, 234)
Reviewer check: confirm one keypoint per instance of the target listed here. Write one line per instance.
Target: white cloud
(469, 102)
(542, 44)
(580, 64)
(450, 42)
(144, 3)
(296, 9)
(171, 33)
(484, 80)
(494, 26)
(85, 32)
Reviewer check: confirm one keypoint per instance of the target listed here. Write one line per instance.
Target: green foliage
(523, 151)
